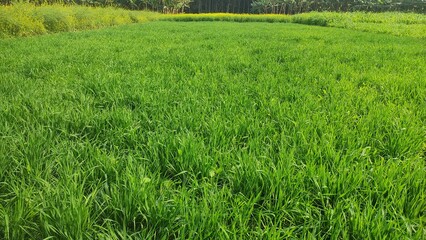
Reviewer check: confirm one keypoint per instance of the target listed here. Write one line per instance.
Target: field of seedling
(216, 130)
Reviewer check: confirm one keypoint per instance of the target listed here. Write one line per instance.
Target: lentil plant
(213, 130)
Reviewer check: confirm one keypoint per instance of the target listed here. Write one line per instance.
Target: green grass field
(213, 130)
(25, 19)
(398, 24)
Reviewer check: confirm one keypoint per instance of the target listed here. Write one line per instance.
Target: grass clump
(56, 19)
(20, 21)
(27, 19)
(319, 19)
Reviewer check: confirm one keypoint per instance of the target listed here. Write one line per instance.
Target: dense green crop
(213, 130)
(399, 24)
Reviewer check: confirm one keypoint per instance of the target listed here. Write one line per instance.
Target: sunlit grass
(213, 130)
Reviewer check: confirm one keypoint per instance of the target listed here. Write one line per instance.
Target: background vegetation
(171, 130)
(27, 19)
(399, 24)
(247, 6)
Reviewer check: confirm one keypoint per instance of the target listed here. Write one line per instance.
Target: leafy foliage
(27, 19)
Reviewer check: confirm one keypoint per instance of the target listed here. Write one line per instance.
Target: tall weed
(27, 19)
(20, 21)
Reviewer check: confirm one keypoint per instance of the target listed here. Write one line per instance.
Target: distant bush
(55, 19)
(20, 21)
(27, 19)
(230, 17)
(311, 19)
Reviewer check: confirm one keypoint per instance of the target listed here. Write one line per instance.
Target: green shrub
(85, 18)
(56, 19)
(27, 19)
(19, 21)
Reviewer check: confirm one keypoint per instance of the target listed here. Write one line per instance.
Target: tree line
(248, 6)
(299, 6)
